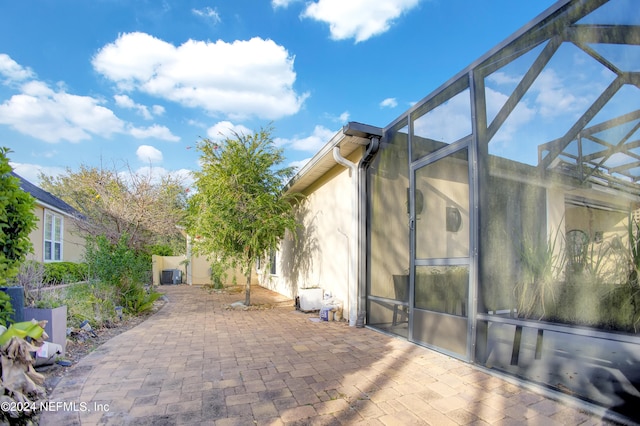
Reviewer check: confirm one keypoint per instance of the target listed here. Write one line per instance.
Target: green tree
(115, 203)
(239, 210)
(17, 220)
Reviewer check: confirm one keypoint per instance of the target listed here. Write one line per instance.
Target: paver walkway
(197, 362)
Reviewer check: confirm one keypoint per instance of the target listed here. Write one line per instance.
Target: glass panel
(559, 203)
(57, 233)
(626, 100)
(58, 251)
(446, 123)
(555, 200)
(562, 92)
(48, 226)
(614, 12)
(442, 208)
(445, 332)
(500, 84)
(47, 250)
(598, 369)
(389, 233)
(623, 56)
(442, 289)
(273, 266)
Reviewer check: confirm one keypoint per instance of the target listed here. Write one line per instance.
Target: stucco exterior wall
(37, 235)
(73, 243)
(199, 270)
(318, 255)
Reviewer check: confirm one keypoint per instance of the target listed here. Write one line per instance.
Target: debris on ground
(22, 385)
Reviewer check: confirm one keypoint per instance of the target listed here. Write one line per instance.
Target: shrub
(125, 270)
(16, 220)
(160, 250)
(137, 300)
(218, 274)
(6, 310)
(64, 272)
(93, 302)
(115, 263)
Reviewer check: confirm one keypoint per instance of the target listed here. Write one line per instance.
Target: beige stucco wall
(318, 256)
(199, 271)
(37, 235)
(73, 243)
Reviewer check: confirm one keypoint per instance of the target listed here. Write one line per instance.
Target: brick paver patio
(198, 362)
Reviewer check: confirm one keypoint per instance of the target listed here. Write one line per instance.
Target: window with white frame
(273, 270)
(52, 237)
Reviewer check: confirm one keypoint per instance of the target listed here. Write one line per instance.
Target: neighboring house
(491, 221)
(56, 237)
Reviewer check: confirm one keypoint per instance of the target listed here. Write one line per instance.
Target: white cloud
(12, 70)
(555, 97)
(238, 80)
(449, 122)
(357, 19)
(281, 3)
(156, 131)
(299, 164)
(31, 172)
(520, 115)
(209, 14)
(226, 129)
(342, 118)
(149, 154)
(389, 103)
(125, 101)
(53, 116)
(321, 135)
(501, 77)
(158, 110)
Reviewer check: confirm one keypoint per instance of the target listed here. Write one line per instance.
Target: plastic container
(324, 313)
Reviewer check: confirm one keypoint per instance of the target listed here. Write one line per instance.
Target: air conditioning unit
(309, 299)
(171, 276)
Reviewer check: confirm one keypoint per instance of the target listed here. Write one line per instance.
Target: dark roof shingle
(45, 197)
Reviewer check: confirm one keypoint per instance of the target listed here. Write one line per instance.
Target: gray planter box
(56, 326)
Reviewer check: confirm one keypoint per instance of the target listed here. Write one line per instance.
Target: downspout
(357, 247)
(352, 287)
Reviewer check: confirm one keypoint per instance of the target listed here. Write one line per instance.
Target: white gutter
(352, 285)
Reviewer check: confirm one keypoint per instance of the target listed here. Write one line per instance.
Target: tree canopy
(239, 210)
(17, 220)
(114, 204)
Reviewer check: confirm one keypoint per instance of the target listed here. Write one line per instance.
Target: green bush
(116, 263)
(137, 300)
(64, 272)
(125, 269)
(6, 310)
(93, 302)
(160, 250)
(218, 274)
(16, 221)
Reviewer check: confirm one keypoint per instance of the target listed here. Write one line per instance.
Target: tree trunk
(247, 288)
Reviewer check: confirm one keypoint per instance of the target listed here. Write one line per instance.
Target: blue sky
(134, 84)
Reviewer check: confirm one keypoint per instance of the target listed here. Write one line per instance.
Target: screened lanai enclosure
(504, 209)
